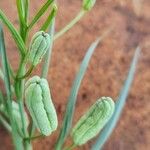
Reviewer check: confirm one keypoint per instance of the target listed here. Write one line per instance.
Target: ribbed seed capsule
(93, 121)
(16, 115)
(38, 47)
(88, 4)
(40, 106)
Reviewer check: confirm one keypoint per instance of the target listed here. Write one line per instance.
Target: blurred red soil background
(107, 70)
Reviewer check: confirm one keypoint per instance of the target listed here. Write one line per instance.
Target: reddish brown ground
(107, 69)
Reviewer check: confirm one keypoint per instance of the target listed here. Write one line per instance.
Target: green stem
(70, 25)
(19, 84)
(20, 14)
(22, 8)
(5, 124)
(26, 11)
(21, 109)
(19, 88)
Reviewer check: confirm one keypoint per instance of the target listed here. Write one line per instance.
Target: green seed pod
(93, 121)
(40, 106)
(38, 47)
(88, 4)
(16, 115)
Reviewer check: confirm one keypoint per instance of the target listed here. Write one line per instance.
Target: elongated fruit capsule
(16, 115)
(38, 47)
(93, 121)
(88, 4)
(40, 106)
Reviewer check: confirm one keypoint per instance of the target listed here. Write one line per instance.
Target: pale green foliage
(38, 47)
(40, 106)
(93, 120)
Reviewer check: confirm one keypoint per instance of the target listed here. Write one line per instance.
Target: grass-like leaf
(104, 135)
(14, 33)
(49, 19)
(40, 13)
(67, 122)
(17, 140)
(21, 12)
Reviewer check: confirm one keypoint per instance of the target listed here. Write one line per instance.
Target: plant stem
(26, 11)
(19, 83)
(19, 89)
(70, 25)
(20, 14)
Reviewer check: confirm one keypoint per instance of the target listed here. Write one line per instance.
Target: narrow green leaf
(49, 19)
(21, 12)
(22, 7)
(40, 13)
(5, 65)
(70, 24)
(104, 135)
(14, 33)
(67, 122)
(26, 8)
(16, 139)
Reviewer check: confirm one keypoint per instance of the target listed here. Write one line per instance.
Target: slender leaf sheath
(93, 121)
(40, 106)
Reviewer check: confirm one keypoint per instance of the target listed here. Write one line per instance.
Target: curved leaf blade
(16, 138)
(108, 129)
(14, 33)
(67, 122)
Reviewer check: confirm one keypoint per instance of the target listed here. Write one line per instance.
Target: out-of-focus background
(107, 70)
